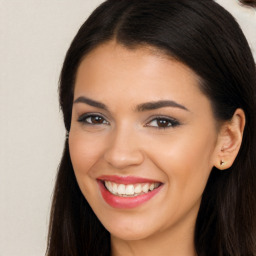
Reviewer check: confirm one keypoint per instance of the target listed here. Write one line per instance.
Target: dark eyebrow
(91, 102)
(159, 104)
(141, 107)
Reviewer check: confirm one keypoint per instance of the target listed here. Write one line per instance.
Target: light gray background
(34, 36)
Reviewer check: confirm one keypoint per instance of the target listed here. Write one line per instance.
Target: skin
(128, 142)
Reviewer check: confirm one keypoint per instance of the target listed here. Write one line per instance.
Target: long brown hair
(205, 37)
(249, 2)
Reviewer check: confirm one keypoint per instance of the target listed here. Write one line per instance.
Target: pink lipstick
(127, 192)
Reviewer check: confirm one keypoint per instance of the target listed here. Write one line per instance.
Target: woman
(158, 99)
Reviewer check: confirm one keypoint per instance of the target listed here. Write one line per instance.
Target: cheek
(186, 160)
(84, 154)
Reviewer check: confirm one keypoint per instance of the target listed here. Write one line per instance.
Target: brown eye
(92, 119)
(96, 120)
(162, 123)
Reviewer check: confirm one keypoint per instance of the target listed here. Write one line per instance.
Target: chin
(130, 235)
(135, 230)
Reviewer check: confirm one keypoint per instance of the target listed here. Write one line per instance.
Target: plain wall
(34, 36)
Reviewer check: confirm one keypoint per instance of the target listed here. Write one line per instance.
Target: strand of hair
(251, 3)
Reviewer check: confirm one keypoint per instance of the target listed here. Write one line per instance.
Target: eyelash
(83, 119)
(169, 122)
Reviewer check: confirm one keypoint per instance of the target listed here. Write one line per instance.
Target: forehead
(144, 73)
(115, 60)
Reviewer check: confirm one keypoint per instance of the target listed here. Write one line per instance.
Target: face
(142, 140)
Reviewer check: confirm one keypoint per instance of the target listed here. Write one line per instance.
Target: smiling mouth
(130, 190)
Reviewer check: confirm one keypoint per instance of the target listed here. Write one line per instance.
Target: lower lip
(126, 202)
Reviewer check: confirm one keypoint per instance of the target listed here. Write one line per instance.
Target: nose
(123, 150)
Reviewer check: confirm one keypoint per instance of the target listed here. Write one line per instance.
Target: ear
(229, 140)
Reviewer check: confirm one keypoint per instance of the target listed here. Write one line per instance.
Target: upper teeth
(130, 189)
